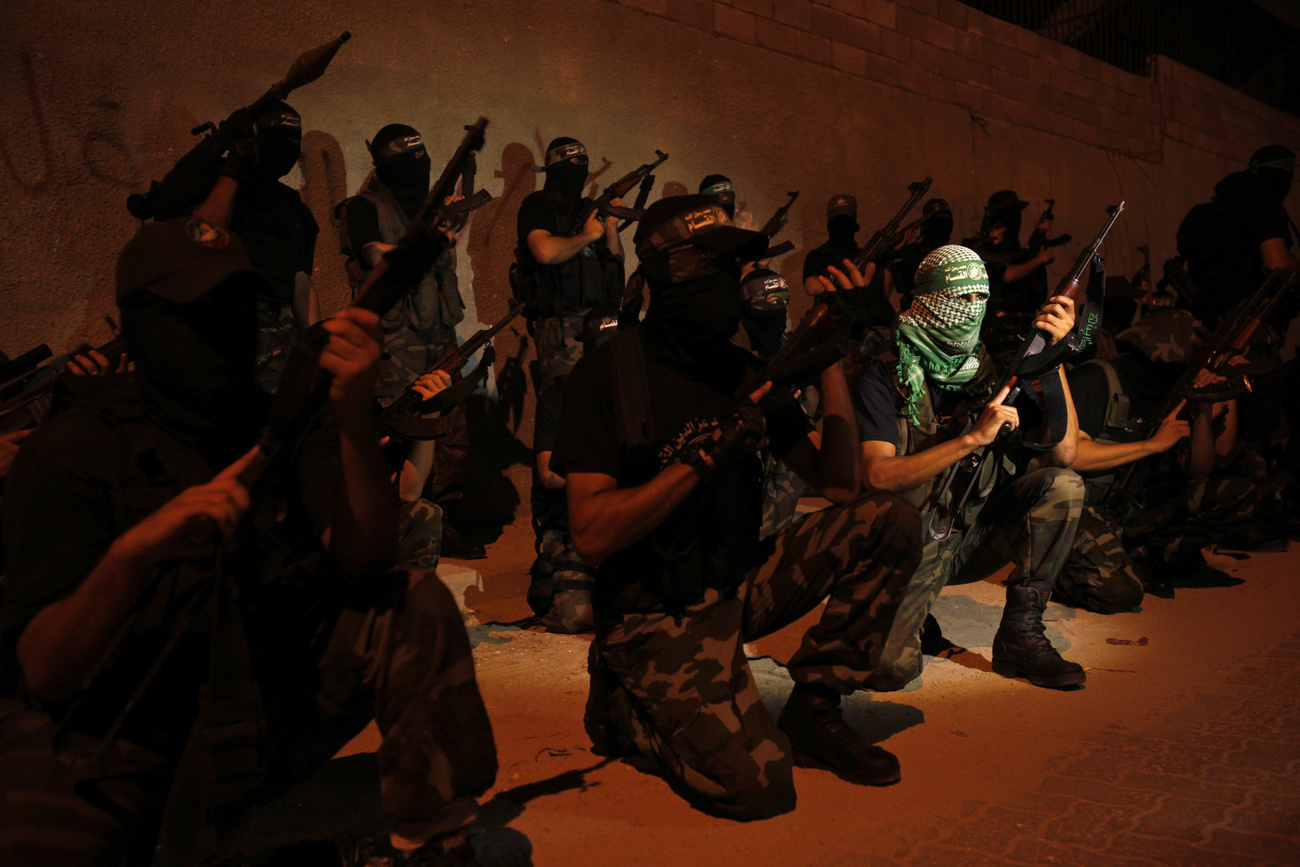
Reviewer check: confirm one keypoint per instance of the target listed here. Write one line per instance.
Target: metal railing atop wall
(1234, 41)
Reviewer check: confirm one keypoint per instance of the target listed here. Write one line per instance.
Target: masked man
(911, 417)
(664, 497)
(564, 269)
(420, 329)
(278, 232)
(193, 636)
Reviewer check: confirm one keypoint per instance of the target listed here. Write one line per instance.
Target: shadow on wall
(324, 185)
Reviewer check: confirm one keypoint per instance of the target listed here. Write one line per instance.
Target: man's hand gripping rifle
(602, 204)
(1030, 359)
(190, 180)
(403, 416)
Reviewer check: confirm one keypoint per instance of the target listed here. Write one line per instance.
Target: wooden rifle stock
(617, 190)
(887, 236)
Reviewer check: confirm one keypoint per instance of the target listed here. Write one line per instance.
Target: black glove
(737, 433)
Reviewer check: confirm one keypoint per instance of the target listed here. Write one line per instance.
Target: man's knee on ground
(427, 596)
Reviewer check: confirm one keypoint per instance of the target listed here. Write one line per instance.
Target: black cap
(1006, 200)
(179, 260)
(700, 220)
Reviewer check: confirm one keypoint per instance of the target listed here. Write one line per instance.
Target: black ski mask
(766, 298)
(190, 320)
(843, 229)
(1274, 169)
(566, 169)
(402, 165)
(278, 135)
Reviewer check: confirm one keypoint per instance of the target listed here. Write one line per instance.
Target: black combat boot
(1021, 648)
(822, 739)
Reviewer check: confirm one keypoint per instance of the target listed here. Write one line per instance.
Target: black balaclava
(1274, 168)
(196, 362)
(843, 230)
(278, 135)
(402, 165)
(566, 175)
(936, 230)
(690, 321)
(766, 298)
(720, 187)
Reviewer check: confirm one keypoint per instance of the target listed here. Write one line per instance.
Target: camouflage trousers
(397, 653)
(1029, 520)
(1099, 574)
(559, 345)
(680, 688)
(419, 535)
(560, 592)
(276, 332)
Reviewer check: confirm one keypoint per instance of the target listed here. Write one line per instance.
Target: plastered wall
(857, 96)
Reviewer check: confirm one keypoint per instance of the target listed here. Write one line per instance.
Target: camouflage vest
(436, 302)
(930, 430)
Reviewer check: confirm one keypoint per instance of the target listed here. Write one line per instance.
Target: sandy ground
(979, 752)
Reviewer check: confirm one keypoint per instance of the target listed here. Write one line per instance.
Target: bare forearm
(60, 646)
(219, 206)
(608, 521)
(838, 464)
(1094, 456)
(1200, 456)
(1066, 452)
(363, 533)
(906, 472)
(306, 305)
(554, 249)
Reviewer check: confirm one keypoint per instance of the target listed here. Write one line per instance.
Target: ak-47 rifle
(617, 190)
(1034, 345)
(642, 196)
(775, 224)
(1229, 339)
(471, 199)
(888, 235)
(27, 384)
(1037, 241)
(303, 386)
(193, 175)
(402, 416)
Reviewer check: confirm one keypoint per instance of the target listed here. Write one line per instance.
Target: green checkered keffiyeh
(938, 337)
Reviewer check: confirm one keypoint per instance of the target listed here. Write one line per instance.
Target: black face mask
(407, 177)
(566, 179)
(277, 153)
(196, 363)
(690, 322)
(842, 229)
(937, 231)
(765, 329)
(1275, 183)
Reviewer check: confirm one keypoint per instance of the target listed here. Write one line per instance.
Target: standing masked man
(664, 495)
(420, 329)
(911, 421)
(564, 269)
(278, 232)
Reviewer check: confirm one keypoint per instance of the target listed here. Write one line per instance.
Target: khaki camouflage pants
(419, 535)
(560, 592)
(397, 653)
(1099, 574)
(559, 345)
(680, 689)
(1029, 520)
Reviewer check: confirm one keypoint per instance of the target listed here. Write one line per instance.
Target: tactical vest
(436, 301)
(591, 278)
(930, 430)
(1115, 429)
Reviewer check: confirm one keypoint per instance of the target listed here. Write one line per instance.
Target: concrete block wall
(860, 96)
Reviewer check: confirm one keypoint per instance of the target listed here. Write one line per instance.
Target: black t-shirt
(541, 210)
(278, 232)
(877, 403)
(362, 225)
(76, 486)
(833, 252)
(720, 520)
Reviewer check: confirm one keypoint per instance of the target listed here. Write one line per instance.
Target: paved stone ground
(1218, 784)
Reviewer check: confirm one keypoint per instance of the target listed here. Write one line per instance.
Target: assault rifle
(888, 235)
(1022, 364)
(642, 196)
(617, 190)
(470, 200)
(402, 416)
(27, 384)
(193, 175)
(303, 386)
(1037, 241)
(775, 224)
(1230, 339)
